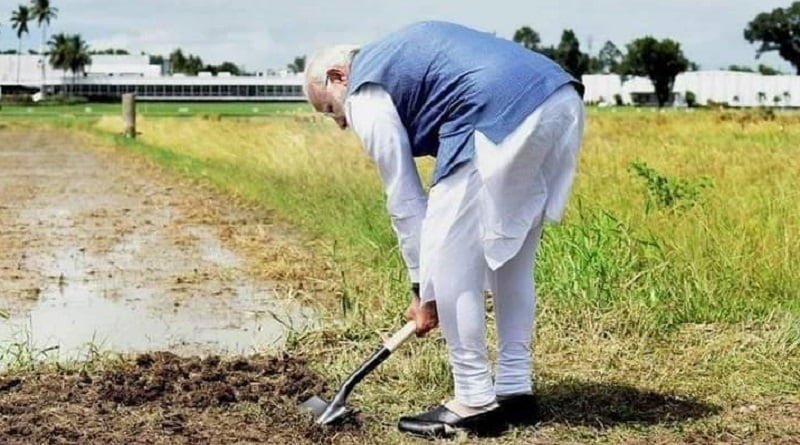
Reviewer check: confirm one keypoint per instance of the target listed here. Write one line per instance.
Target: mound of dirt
(161, 398)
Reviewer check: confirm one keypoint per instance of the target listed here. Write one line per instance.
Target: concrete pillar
(129, 115)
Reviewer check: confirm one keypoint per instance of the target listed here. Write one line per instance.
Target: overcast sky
(265, 33)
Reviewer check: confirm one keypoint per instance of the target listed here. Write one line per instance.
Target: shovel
(336, 411)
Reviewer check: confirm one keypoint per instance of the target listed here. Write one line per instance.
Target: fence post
(129, 115)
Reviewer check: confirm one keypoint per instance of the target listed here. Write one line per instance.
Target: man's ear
(336, 75)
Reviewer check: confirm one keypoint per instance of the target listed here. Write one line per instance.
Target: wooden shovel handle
(401, 336)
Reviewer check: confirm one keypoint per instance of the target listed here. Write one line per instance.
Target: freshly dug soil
(161, 398)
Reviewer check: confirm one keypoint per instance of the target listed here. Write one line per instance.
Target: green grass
(724, 255)
(664, 306)
(155, 109)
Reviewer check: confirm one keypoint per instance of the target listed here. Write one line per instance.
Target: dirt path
(97, 249)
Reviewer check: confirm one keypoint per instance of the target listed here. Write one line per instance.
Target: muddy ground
(97, 247)
(161, 398)
(101, 251)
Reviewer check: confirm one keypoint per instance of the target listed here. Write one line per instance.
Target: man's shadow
(603, 405)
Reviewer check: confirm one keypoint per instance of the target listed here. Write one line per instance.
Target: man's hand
(424, 315)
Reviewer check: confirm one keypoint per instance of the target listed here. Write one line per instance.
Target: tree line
(662, 60)
(191, 64)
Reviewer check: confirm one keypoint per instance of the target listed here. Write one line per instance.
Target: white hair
(325, 59)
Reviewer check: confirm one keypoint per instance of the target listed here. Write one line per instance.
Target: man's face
(329, 97)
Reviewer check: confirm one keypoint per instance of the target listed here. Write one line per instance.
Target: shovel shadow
(603, 405)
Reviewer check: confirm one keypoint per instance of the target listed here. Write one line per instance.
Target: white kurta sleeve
(372, 115)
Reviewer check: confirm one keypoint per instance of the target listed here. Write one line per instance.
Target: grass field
(668, 300)
(154, 109)
(669, 306)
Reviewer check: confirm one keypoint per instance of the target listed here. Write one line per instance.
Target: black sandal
(440, 422)
(522, 409)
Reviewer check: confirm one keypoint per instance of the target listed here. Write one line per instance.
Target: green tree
(691, 99)
(229, 67)
(69, 53)
(224, 67)
(298, 65)
(177, 61)
(740, 69)
(19, 21)
(79, 56)
(186, 64)
(528, 38)
(609, 58)
(568, 54)
(59, 52)
(768, 70)
(110, 52)
(661, 61)
(778, 30)
(194, 64)
(43, 13)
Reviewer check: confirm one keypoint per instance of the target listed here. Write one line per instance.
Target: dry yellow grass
(698, 299)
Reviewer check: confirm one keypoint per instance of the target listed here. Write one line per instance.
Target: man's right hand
(424, 315)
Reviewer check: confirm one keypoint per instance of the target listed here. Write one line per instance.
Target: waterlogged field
(668, 300)
(669, 305)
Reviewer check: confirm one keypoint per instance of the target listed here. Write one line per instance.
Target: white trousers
(481, 231)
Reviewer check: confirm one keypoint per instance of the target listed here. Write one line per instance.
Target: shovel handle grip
(401, 336)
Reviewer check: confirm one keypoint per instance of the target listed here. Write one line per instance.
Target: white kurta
(479, 228)
(521, 185)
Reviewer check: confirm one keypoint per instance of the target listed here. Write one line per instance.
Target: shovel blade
(328, 413)
(316, 405)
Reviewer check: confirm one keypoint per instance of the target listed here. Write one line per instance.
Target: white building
(734, 88)
(109, 76)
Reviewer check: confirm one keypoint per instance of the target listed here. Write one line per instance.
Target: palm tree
(59, 49)
(69, 52)
(19, 21)
(43, 13)
(80, 56)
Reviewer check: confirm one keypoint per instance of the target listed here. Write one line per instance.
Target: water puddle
(70, 318)
(211, 249)
(151, 288)
(96, 256)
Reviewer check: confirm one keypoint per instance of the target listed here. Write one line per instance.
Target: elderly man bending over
(505, 125)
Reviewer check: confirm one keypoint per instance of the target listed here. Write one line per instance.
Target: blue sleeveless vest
(447, 81)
